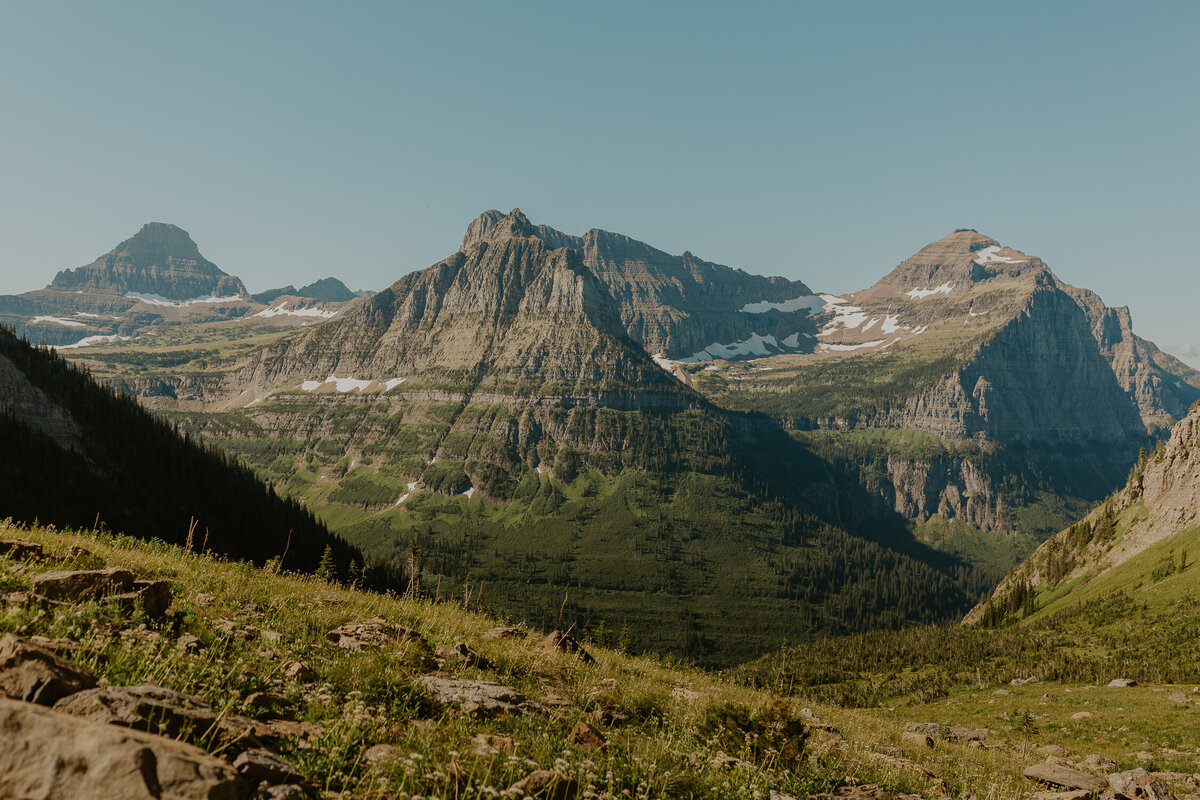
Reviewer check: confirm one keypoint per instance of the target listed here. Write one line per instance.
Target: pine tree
(327, 569)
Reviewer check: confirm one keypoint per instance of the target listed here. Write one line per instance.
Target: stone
(1053, 750)
(1077, 794)
(287, 791)
(959, 733)
(262, 700)
(1137, 784)
(383, 754)
(1097, 763)
(298, 671)
(586, 737)
(557, 641)
(1066, 777)
(1121, 683)
(1180, 698)
(52, 756)
(483, 697)
(463, 653)
(917, 739)
(545, 784)
(1081, 715)
(189, 643)
(492, 744)
(76, 553)
(73, 586)
(20, 550)
(153, 596)
(505, 633)
(146, 707)
(263, 766)
(367, 634)
(933, 729)
(34, 674)
(1023, 681)
(778, 795)
(1002, 692)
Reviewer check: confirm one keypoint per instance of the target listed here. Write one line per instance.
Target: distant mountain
(1138, 541)
(75, 454)
(160, 260)
(326, 290)
(1013, 375)
(682, 307)
(156, 277)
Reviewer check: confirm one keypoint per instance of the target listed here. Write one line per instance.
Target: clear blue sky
(822, 141)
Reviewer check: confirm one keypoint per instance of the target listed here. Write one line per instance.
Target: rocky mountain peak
(513, 224)
(956, 262)
(160, 259)
(479, 226)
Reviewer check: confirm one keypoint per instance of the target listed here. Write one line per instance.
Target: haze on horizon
(817, 141)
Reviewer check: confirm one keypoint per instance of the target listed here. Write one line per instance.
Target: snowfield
(159, 300)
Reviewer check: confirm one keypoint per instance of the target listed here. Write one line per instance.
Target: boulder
(1098, 764)
(77, 585)
(557, 641)
(462, 653)
(1053, 750)
(1180, 698)
(52, 756)
(933, 729)
(298, 671)
(917, 739)
(20, 550)
(1066, 777)
(1121, 683)
(34, 674)
(263, 766)
(482, 697)
(288, 791)
(586, 737)
(1137, 784)
(960, 733)
(492, 744)
(153, 596)
(146, 708)
(365, 634)
(545, 784)
(1082, 715)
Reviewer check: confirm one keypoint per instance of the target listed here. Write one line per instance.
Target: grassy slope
(681, 717)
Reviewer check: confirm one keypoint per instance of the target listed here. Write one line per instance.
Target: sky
(821, 141)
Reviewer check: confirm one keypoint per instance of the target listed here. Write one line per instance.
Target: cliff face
(677, 306)
(159, 259)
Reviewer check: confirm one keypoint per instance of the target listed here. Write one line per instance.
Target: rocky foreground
(130, 670)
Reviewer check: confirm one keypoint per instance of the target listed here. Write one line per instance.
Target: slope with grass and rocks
(239, 680)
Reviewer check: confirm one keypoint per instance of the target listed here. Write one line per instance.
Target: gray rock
(20, 550)
(929, 729)
(36, 675)
(73, 586)
(368, 633)
(298, 671)
(146, 708)
(1137, 784)
(52, 756)
(557, 641)
(463, 653)
(1066, 777)
(263, 766)
(1098, 764)
(154, 597)
(545, 784)
(916, 738)
(586, 737)
(482, 697)
(1122, 683)
(288, 791)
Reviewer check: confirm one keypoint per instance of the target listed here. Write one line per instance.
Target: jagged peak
(492, 225)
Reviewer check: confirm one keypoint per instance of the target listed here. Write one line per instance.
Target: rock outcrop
(47, 754)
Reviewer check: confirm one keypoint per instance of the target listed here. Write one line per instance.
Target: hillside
(1136, 542)
(75, 454)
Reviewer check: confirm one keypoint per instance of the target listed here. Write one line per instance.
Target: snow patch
(470, 492)
(663, 362)
(844, 315)
(340, 384)
(918, 294)
(282, 310)
(988, 256)
(94, 316)
(754, 346)
(891, 324)
(91, 340)
(70, 323)
(805, 302)
(407, 494)
(792, 341)
(159, 300)
(392, 383)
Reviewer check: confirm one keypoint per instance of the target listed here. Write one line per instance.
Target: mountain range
(581, 422)
(154, 278)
